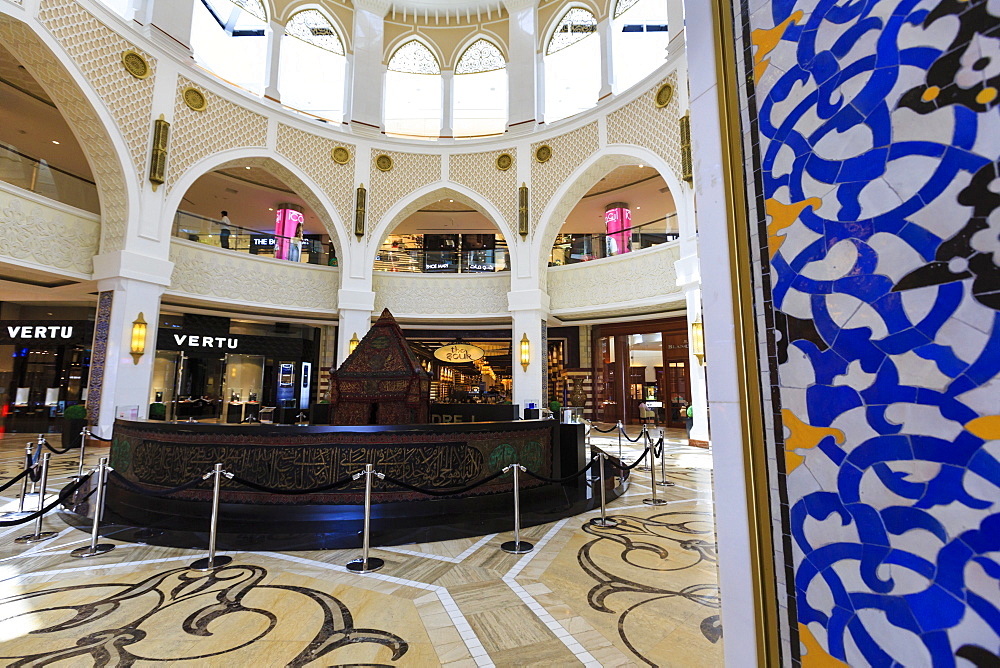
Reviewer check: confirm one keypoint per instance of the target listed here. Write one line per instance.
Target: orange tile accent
(782, 216)
(804, 436)
(766, 40)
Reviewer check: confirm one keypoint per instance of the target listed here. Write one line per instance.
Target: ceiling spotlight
(640, 166)
(55, 142)
(270, 209)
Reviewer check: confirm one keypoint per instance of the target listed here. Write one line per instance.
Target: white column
(604, 33)
(368, 76)
(675, 27)
(732, 519)
(348, 87)
(447, 104)
(355, 317)
(275, 34)
(540, 87)
(168, 22)
(529, 309)
(521, 70)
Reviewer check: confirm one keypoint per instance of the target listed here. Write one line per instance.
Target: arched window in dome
(228, 39)
(413, 92)
(313, 65)
(639, 40)
(572, 65)
(480, 106)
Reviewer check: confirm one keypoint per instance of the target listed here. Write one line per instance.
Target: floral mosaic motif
(414, 58)
(662, 543)
(877, 122)
(109, 629)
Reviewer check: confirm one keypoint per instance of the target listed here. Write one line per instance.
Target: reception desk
(158, 456)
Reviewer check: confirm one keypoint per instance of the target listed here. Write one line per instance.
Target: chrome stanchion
(603, 521)
(212, 562)
(516, 546)
(84, 433)
(366, 564)
(619, 440)
(40, 535)
(653, 501)
(24, 486)
(96, 548)
(644, 466)
(663, 482)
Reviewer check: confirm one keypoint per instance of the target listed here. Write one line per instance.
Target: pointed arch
(480, 55)
(313, 49)
(414, 57)
(575, 23)
(586, 176)
(313, 26)
(281, 167)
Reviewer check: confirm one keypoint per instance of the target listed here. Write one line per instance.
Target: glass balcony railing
(413, 257)
(309, 249)
(37, 176)
(573, 248)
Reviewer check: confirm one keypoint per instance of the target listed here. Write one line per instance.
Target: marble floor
(643, 593)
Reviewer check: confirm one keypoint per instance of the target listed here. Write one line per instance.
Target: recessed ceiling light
(639, 165)
(270, 209)
(55, 142)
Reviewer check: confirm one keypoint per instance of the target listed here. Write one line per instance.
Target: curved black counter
(158, 456)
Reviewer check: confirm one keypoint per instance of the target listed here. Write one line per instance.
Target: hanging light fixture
(354, 343)
(525, 352)
(698, 341)
(138, 338)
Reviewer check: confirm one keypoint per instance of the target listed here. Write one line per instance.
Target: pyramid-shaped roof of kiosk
(382, 353)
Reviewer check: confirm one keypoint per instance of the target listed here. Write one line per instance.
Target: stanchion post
(517, 546)
(40, 535)
(603, 521)
(211, 562)
(663, 482)
(653, 501)
(648, 457)
(24, 482)
(84, 433)
(96, 548)
(366, 564)
(620, 427)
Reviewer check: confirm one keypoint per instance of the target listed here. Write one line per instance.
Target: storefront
(217, 369)
(641, 373)
(44, 364)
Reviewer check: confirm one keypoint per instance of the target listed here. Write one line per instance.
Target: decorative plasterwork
(75, 106)
(568, 152)
(222, 126)
(632, 278)
(202, 271)
(477, 172)
(641, 123)
(312, 154)
(410, 171)
(423, 294)
(97, 51)
(56, 238)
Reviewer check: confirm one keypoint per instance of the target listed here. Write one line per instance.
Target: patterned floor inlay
(644, 593)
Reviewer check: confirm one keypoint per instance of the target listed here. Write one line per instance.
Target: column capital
(355, 300)
(380, 7)
(134, 266)
(528, 300)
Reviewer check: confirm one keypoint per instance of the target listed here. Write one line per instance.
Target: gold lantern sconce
(353, 344)
(522, 211)
(138, 338)
(359, 212)
(698, 341)
(158, 160)
(525, 352)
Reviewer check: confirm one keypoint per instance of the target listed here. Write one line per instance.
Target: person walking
(689, 419)
(225, 232)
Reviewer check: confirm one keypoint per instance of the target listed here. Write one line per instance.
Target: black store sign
(261, 243)
(214, 345)
(46, 332)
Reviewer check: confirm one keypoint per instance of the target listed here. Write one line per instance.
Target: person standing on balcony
(295, 245)
(225, 231)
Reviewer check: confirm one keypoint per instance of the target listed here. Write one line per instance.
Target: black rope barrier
(629, 467)
(437, 492)
(139, 489)
(35, 472)
(658, 452)
(272, 490)
(55, 451)
(573, 476)
(603, 431)
(98, 438)
(13, 480)
(63, 495)
(631, 440)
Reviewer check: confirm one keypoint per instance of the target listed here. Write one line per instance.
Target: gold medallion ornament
(664, 94)
(340, 155)
(504, 161)
(194, 98)
(135, 64)
(383, 162)
(543, 153)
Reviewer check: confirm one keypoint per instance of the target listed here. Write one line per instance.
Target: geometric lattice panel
(222, 126)
(97, 51)
(640, 122)
(409, 172)
(568, 152)
(311, 153)
(478, 171)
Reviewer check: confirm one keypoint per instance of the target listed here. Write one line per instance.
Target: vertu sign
(47, 331)
(184, 341)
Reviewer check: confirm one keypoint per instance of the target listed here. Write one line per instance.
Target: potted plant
(74, 420)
